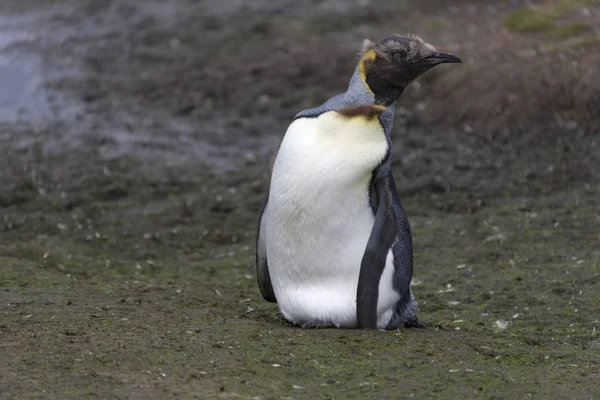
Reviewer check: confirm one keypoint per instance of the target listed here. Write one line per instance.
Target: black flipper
(262, 267)
(405, 314)
(381, 240)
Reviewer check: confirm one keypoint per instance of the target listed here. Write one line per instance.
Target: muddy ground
(135, 141)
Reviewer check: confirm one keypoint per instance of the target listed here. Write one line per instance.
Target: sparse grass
(200, 326)
(566, 6)
(543, 18)
(567, 31)
(529, 19)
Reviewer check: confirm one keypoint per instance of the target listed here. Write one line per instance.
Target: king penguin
(334, 247)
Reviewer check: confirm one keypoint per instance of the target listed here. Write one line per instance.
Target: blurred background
(135, 147)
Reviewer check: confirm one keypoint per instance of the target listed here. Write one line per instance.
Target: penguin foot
(282, 317)
(416, 323)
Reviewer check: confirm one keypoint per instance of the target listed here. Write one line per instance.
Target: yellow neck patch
(362, 69)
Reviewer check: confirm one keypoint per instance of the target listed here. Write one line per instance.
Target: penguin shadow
(317, 324)
(321, 324)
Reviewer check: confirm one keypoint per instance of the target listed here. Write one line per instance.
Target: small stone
(501, 324)
(500, 237)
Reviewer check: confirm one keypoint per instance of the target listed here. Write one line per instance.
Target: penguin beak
(440, 58)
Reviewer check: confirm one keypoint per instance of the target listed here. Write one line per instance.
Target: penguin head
(390, 65)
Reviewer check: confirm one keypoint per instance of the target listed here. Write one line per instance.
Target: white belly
(319, 219)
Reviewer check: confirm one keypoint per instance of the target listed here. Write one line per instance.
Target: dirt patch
(133, 173)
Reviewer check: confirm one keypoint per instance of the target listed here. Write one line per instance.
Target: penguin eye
(399, 57)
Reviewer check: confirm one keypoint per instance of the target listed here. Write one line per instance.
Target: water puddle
(47, 59)
(21, 95)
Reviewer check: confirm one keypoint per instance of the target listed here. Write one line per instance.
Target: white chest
(318, 216)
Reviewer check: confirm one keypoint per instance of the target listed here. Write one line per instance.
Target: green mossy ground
(197, 327)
